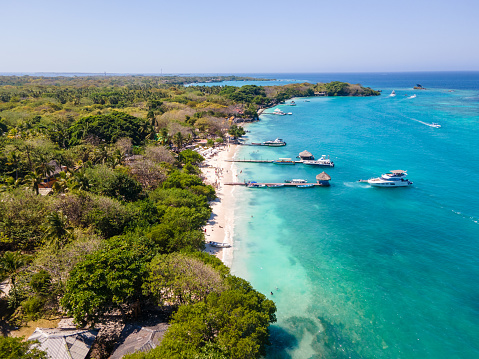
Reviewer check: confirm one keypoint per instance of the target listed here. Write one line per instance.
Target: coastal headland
(103, 209)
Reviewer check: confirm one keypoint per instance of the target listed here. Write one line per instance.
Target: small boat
(392, 94)
(435, 125)
(307, 185)
(391, 179)
(307, 101)
(284, 161)
(219, 245)
(323, 161)
(255, 185)
(275, 185)
(274, 143)
(296, 180)
(279, 112)
(292, 103)
(413, 96)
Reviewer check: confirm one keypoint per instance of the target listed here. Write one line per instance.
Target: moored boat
(219, 244)
(307, 185)
(275, 185)
(296, 180)
(255, 185)
(391, 179)
(284, 161)
(323, 161)
(274, 143)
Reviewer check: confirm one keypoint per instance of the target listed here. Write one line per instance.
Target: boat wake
(473, 219)
(434, 124)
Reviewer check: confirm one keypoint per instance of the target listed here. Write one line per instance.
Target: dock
(274, 184)
(258, 161)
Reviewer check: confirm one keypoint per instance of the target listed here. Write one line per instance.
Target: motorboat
(274, 143)
(413, 96)
(307, 185)
(275, 185)
(281, 113)
(296, 180)
(219, 244)
(391, 179)
(435, 125)
(255, 185)
(284, 161)
(392, 94)
(323, 161)
(292, 103)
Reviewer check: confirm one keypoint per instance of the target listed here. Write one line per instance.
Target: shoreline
(220, 226)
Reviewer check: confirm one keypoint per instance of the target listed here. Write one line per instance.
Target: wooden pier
(277, 185)
(258, 161)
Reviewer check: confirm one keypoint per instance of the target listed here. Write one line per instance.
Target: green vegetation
(15, 348)
(121, 226)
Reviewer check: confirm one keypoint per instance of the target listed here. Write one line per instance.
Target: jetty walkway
(274, 185)
(258, 161)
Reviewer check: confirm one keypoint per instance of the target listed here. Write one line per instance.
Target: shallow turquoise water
(361, 272)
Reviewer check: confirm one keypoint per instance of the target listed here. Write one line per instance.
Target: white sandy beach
(220, 227)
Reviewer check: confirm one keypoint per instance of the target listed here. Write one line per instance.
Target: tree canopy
(109, 128)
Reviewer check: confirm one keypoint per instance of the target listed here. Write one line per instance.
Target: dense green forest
(102, 206)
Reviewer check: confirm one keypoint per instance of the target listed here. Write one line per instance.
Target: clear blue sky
(239, 36)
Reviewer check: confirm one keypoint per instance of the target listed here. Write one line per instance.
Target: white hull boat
(392, 179)
(323, 161)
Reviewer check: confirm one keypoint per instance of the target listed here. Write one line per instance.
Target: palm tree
(57, 229)
(164, 137)
(14, 160)
(61, 183)
(10, 183)
(33, 179)
(178, 140)
(79, 181)
(10, 265)
(44, 167)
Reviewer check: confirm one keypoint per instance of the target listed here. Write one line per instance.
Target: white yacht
(392, 94)
(323, 161)
(274, 143)
(391, 179)
(435, 125)
(281, 113)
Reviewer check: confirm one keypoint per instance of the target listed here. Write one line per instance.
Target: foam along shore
(217, 171)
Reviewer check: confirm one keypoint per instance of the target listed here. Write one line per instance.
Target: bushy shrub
(32, 307)
(107, 182)
(21, 216)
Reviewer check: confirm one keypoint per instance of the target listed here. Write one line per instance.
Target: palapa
(323, 176)
(305, 154)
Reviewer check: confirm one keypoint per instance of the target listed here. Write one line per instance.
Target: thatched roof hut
(323, 179)
(306, 155)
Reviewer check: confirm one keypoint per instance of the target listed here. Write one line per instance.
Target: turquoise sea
(362, 272)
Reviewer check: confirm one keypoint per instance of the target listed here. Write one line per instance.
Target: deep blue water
(362, 272)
